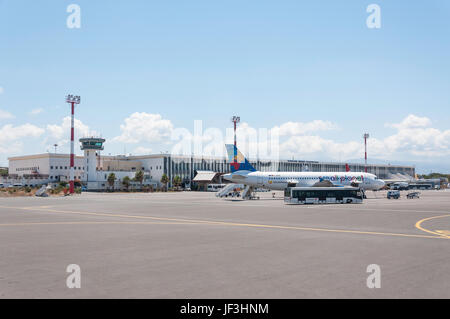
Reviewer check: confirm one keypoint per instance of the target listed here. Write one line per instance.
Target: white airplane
(242, 172)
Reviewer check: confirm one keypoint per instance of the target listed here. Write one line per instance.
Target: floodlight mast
(235, 120)
(365, 136)
(72, 100)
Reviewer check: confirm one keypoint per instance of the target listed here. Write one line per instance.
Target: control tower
(90, 146)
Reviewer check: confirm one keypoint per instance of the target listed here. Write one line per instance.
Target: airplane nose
(382, 183)
(228, 177)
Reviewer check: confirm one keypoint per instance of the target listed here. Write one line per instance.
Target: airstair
(248, 193)
(228, 190)
(234, 191)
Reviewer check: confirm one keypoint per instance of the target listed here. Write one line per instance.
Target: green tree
(111, 180)
(139, 177)
(165, 180)
(126, 182)
(177, 181)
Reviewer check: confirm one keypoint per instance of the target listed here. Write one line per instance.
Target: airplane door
(260, 180)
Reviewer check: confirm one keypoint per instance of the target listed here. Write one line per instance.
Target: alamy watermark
(254, 143)
(73, 281)
(374, 279)
(74, 19)
(374, 19)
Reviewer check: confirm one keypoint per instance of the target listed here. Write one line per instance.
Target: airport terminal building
(45, 168)
(187, 166)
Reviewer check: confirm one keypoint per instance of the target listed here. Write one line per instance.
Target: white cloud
(301, 146)
(417, 138)
(61, 131)
(1, 90)
(11, 136)
(299, 128)
(36, 111)
(410, 122)
(60, 134)
(144, 127)
(12, 133)
(11, 148)
(5, 115)
(142, 151)
(414, 140)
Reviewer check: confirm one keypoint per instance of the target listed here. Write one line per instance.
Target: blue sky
(271, 62)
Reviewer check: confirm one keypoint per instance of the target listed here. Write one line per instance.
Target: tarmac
(194, 245)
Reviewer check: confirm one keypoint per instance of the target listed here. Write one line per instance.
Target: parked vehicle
(393, 194)
(413, 195)
(400, 186)
(421, 186)
(323, 195)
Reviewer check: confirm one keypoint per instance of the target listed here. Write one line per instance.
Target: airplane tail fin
(237, 161)
(347, 168)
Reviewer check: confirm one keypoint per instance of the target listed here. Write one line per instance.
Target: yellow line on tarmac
(93, 223)
(419, 226)
(210, 222)
(358, 209)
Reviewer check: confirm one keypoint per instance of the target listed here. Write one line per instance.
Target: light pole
(365, 136)
(56, 146)
(235, 120)
(72, 100)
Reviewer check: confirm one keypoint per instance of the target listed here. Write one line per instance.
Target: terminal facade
(187, 166)
(93, 169)
(43, 168)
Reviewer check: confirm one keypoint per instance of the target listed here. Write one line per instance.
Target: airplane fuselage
(281, 180)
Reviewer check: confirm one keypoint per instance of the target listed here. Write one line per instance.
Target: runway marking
(445, 232)
(210, 222)
(419, 226)
(93, 223)
(356, 207)
(349, 208)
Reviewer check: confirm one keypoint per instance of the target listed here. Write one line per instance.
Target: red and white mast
(366, 136)
(235, 120)
(72, 100)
